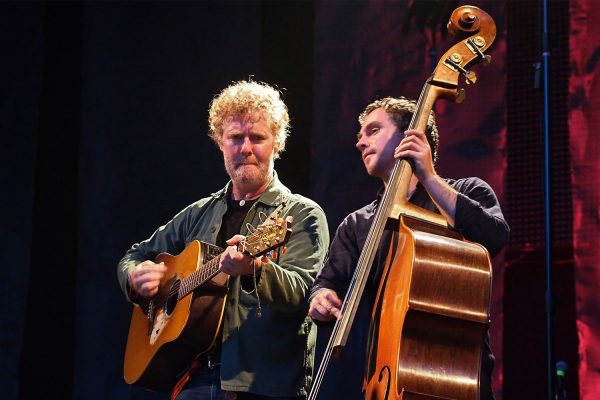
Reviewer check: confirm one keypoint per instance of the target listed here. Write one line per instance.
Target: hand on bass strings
(415, 146)
(325, 305)
(145, 277)
(237, 263)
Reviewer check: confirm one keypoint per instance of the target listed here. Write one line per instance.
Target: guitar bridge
(150, 315)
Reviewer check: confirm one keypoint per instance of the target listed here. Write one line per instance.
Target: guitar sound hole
(172, 298)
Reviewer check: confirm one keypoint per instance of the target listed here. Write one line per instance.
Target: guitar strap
(186, 377)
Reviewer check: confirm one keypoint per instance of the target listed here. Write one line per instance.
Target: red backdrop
(584, 119)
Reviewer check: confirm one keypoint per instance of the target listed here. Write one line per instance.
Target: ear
(276, 150)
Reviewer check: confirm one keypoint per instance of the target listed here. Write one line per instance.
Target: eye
(374, 130)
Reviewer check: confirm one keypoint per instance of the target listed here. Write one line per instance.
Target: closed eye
(258, 138)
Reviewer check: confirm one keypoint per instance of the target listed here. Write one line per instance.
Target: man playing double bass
(469, 205)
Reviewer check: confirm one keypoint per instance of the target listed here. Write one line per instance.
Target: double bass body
(429, 317)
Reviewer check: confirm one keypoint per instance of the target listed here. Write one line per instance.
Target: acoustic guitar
(182, 321)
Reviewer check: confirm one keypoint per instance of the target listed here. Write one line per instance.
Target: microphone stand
(545, 63)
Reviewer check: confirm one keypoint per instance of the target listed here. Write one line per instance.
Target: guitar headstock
(268, 236)
(476, 32)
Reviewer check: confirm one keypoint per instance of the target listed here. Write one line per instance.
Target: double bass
(432, 307)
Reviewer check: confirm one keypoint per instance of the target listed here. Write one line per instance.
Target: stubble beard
(249, 176)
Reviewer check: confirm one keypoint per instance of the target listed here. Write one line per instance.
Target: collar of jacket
(273, 195)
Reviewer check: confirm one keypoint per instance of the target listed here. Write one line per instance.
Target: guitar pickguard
(161, 319)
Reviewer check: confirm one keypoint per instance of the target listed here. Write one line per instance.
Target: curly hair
(400, 110)
(245, 98)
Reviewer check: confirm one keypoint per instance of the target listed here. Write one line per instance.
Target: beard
(249, 172)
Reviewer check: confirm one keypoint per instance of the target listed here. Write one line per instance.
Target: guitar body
(160, 347)
(430, 316)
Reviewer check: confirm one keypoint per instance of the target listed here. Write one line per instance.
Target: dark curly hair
(400, 110)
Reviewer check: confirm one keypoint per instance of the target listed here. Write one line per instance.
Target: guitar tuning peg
(284, 250)
(460, 95)
(264, 259)
(273, 254)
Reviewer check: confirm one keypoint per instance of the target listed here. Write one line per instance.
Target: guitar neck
(206, 271)
(263, 239)
(202, 275)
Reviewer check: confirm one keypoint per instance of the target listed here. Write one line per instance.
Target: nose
(246, 146)
(362, 143)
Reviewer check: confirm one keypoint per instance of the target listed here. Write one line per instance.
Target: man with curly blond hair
(265, 345)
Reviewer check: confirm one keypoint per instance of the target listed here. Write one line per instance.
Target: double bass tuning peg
(487, 60)
(474, 45)
(460, 95)
(470, 76)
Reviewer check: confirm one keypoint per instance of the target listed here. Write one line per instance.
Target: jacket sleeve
(168, 238)
(338, 269)
(284, 284)
(478, 215)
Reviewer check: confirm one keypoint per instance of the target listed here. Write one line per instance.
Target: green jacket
(272, 355)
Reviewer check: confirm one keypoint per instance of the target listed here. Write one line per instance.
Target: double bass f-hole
(385, 369)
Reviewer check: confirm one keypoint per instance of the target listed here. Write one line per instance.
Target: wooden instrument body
(429, 317)
(189, 330)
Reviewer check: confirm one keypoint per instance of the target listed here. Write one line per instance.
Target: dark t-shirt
(231, 225)
(233, 219)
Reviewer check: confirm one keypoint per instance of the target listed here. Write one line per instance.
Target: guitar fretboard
(211, 268)
(199, 277)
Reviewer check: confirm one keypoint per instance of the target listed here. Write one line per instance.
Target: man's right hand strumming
(144, 278)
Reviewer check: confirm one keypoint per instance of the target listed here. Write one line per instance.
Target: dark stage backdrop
(103, 138)
(148, 74)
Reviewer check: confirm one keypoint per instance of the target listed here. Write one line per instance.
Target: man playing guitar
(264, 348)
